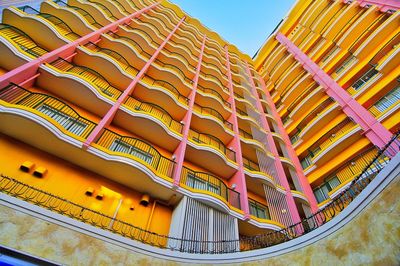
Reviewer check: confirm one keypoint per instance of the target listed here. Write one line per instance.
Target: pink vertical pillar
(239, 178)
(384, 5)
(271, 144)
(292, 154)
(24, 72)
(373, 129)
(106, 120)
(180, 151)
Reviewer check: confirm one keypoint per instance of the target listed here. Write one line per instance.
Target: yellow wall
(71, 182)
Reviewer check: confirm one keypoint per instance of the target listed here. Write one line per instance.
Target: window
(321, 192)
(71, 124)
(388, 100)
(364, 79)
(198, 183)
(122, 146)
(258, 211)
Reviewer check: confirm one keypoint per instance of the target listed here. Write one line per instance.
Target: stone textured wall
(372, 238)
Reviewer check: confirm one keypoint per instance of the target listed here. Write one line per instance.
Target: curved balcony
(89, 75)
(137, 150)
(83, 13)
(210, 97)
(208, 184)
(94, 10)
(22, 41)
(57, 23)
(253, 170)
(156, 111)
(57, 112)
(119, 8)
(105, 8)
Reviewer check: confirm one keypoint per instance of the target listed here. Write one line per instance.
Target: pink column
(239, 178)
(384, 5)
(292, 154)
(106, 120)
(26, 71)
(180, 151)
(373, 130)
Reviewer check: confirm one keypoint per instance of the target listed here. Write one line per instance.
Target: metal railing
(208, 182)
(138, 149)
(56, 110)
(250, 165)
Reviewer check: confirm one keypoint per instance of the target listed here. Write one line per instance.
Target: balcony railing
(138, 150)
(210, 140)
(22, 40)
(56, 110)
(390, 100)
(89, 75)
(245, 134)
(155, 111)
(210, 183)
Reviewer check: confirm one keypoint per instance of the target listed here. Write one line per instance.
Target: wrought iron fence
(65, 207)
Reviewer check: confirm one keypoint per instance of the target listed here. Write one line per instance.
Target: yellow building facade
(133, 117)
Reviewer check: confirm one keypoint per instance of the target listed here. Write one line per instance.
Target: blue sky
(244, 23)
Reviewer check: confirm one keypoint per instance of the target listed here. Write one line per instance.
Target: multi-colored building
(139, 115)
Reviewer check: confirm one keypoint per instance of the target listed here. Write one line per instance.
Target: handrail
(245, 134)
(208, 139)
(120, 6)
(35, 50)
(57, 110)
(313, 114)
(130, 41)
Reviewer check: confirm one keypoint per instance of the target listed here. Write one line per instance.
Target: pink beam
(373, 130)
(292, 153)
(239, 178)
(384, 5)
(299, 171)
(26, 71)
(106, 120)
(181, 150)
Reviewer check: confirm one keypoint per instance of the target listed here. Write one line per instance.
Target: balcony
(384, 105)
(51, 109)
(22, 41)
(136, 150)
(207, 184)
(83, 13)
